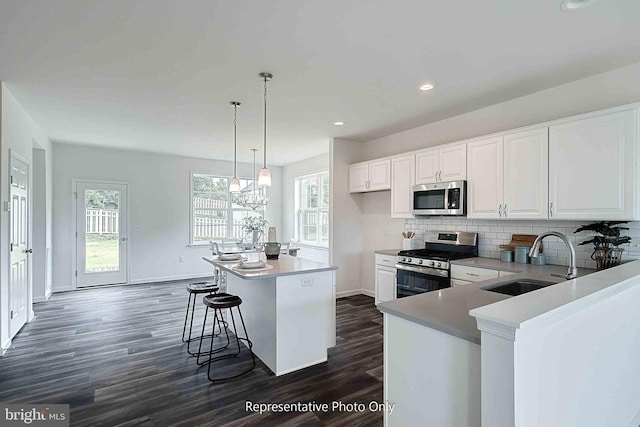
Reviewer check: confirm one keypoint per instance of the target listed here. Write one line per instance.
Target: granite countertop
(393, 252)
(285, 265)
(447, 310)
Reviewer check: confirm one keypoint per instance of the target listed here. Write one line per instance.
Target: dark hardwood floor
(114, 354)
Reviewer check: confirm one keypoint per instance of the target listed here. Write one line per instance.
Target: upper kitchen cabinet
(370, 176)
(526, 172)
(592, 166)
(485, 178)
(507, 176)
(448, 163)
(402, 181)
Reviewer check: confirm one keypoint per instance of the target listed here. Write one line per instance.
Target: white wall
(345, 240)
(158, 202)
(380, 232)
(605, 90)
(20, 134)
(289, 174)
(583, 369)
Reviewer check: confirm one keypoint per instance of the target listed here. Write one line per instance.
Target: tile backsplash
(492, 233)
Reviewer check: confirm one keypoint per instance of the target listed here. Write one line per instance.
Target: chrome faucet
(573, 271)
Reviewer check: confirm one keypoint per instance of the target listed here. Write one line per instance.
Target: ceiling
(158, 75)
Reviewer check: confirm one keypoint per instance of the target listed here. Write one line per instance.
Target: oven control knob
(419, 261)
(408, 259)
(431, 263)
(439, 264)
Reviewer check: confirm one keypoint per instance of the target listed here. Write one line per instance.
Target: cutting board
(521, 240)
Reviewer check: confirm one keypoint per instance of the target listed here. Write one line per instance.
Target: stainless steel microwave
(440, 198)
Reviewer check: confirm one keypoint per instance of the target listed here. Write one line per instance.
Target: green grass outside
(102, 252)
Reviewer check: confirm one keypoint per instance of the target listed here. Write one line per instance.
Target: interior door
(19, 275)
(101, 233)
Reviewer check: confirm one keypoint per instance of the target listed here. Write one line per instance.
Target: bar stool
(194, 290)
(219, 302)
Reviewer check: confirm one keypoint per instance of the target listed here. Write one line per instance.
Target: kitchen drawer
(472, 274)
(458, 282)
(386, 260)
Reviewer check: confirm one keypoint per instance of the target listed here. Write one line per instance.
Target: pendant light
(253, 199)
(234, 185)
(264, 179)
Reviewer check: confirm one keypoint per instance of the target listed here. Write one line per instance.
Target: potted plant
(254, 225)
(606, 250)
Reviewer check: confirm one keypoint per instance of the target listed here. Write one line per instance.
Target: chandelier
(252, 197)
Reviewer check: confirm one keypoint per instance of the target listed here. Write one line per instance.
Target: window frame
(229, 209)
(319, 210)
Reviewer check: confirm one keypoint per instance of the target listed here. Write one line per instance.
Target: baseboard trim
(355, 292)
(368, 293)
(5, 347)
(140, 282)
(55, 290)
(169, 278)
(45, 298)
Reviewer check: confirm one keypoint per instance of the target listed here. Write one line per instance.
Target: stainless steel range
(428, 269)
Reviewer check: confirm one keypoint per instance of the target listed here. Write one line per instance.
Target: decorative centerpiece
(606, 250)
(254, 225)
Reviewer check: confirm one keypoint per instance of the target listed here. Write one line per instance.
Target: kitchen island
(289, 309)
(432, 352)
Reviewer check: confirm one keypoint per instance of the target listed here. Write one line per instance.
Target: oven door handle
(424, 270)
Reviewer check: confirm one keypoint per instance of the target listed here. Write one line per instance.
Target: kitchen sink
(518, 287)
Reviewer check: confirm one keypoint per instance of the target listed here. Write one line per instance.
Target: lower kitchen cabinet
(385, 278)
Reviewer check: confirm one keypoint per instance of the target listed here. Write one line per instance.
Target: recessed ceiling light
(571, 5)
(338, 123)
(427, 86)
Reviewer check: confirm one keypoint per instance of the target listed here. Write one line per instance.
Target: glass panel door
(101, 239)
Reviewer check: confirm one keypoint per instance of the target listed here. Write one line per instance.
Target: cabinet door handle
(473, 274)
(439, 175)
(504, 210)
(550, 209)
(500, 210)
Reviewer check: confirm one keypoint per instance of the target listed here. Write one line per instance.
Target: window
(312, 203)
(214, 214)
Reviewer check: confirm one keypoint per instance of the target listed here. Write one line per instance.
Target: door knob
(28, 251)
(123, 239)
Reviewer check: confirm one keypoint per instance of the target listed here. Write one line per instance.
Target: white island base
(289, 311)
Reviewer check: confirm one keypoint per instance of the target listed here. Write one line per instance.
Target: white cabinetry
(370, 176)
(526, 171)
(448, 163)
(472, 274)
(485, 178)
(385, 278)
(402, 181)
(592, 167)
(508, 176)
(464, 275)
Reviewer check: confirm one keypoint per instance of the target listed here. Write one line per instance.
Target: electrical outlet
(386, 232)
(181, 259)
(307, 281)
(137, 228)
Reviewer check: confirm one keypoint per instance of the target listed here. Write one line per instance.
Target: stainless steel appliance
(428, 269)
(440, 198)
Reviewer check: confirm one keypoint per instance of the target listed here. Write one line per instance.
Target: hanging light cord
(235, 139)
(254, 172)
(265, 121)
